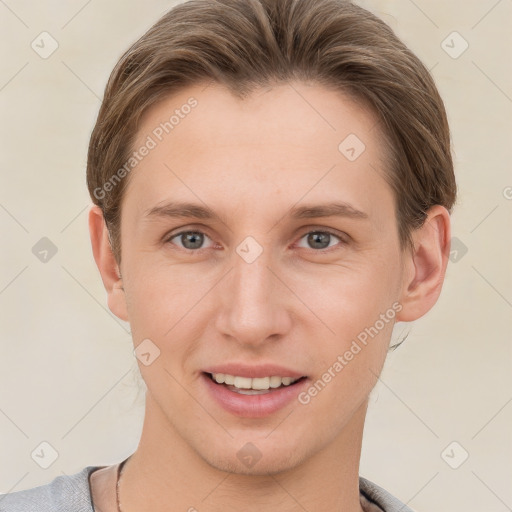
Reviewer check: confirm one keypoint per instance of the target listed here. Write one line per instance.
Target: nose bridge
(252, 279)
(252, 307)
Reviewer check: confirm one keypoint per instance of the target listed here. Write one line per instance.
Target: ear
(425, 266)
(106, 263)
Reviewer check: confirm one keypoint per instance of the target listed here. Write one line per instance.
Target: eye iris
(194, 237)
(313, 238)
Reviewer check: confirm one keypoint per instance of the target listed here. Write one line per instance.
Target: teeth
(243, 383)
(260, 383)
(275, 382)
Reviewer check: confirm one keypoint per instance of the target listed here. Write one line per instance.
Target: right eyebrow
(181, 209)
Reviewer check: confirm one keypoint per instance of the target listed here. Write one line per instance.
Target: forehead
(281, 114)
(290, 140)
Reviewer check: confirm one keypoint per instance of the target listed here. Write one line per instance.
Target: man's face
(260, 284)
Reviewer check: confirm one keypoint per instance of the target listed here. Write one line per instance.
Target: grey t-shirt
(72, 493)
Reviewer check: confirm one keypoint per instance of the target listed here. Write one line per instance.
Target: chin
(262, 457)
(266, 466)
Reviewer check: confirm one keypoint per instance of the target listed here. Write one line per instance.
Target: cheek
(351, 295)
(169, 307)
(155, 301)
(346, 375)
(358, 304)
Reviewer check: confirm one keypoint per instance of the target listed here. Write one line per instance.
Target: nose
(253, 303)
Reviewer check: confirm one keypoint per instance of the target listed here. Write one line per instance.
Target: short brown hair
(244, 44)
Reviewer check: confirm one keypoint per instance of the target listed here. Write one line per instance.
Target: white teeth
(260, 383)
(275, 382)
(243, 383)
(228, 379)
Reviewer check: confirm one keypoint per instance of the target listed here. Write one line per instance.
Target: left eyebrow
(327, 210)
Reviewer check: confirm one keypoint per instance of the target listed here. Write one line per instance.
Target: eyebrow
(174, 209)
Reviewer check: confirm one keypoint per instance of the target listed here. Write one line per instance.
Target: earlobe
(426, 265)
(106, 263)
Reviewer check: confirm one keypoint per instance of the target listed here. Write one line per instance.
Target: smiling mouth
(252, 386)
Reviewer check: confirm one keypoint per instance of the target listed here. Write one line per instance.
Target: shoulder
(66, 493)
(379, 496)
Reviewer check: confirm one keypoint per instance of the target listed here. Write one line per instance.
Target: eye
(193, 240)
(190, 240)
(320, 239)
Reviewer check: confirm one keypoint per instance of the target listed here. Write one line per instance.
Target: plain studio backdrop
(438, 431)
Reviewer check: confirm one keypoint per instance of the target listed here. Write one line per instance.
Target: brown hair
(244, 44)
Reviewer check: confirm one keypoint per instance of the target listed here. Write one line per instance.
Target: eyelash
(168, 239)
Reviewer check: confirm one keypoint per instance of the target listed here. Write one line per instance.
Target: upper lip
(254, 371)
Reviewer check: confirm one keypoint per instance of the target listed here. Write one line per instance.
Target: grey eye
(190, 239)
(319, 239)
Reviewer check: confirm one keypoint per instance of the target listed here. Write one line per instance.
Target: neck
(165, 473)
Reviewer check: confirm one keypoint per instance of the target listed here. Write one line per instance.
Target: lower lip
(253, 406)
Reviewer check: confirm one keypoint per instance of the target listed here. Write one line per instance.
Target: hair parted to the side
(246, 44)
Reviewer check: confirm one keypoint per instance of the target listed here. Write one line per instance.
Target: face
(260, 276)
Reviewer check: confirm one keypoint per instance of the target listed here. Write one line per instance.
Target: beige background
(68, 375)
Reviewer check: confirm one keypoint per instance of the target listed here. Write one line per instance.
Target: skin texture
(298, 304)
